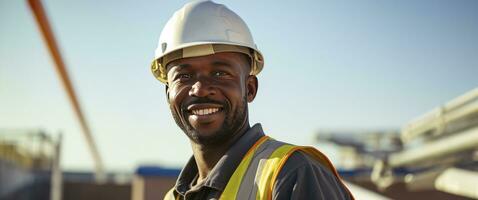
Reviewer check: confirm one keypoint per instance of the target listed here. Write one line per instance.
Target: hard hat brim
(195, 49)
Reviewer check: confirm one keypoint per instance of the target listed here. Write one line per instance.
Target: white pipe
(458, 181)
(363, 194)
(452, 144)
(437, 119)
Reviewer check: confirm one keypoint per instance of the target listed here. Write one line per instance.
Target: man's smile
(201, 113)
(204, 108)
(205, 111)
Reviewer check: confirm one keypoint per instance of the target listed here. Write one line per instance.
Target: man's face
(208, 95)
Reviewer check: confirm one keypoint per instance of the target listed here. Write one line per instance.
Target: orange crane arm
(42, 20)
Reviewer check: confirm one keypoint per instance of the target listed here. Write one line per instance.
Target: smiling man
(208, 60)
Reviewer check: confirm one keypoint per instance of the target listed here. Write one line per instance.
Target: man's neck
(207, 156)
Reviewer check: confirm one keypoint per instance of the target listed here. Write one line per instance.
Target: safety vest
(255, 176)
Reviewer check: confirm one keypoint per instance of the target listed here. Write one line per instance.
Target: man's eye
(183, 76)
(219, 73)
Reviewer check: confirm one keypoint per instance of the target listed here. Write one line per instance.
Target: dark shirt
(302, 177)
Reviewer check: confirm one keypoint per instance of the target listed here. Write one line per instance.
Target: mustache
(199, 100)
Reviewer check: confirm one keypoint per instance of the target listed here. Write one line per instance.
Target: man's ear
(252, 85)
(166, 89)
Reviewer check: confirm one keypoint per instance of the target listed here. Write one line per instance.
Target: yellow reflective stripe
(232, 187)
(170, 195)
(269, 168)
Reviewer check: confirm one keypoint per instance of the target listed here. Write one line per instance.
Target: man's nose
(202, 88)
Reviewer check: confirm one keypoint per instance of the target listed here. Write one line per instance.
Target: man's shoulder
(303, 161)
(304, 176)
(300, 158)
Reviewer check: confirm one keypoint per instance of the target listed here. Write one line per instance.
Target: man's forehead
(217, 59)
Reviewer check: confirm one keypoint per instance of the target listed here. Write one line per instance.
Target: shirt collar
(225, 167)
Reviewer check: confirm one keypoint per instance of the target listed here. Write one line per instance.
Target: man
(208, 60)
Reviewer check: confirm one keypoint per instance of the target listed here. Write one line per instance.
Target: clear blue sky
(329, 65)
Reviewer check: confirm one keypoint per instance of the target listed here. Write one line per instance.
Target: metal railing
(28, 149)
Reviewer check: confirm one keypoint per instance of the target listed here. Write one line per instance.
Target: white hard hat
(202, 28)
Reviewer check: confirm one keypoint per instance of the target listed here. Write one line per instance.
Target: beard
(232, 122)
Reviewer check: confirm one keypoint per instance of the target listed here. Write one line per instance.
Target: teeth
(206, 111)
